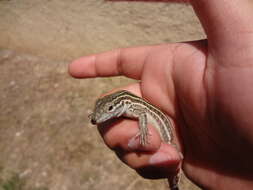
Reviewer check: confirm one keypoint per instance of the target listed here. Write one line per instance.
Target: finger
(121, 137)
(163, 163)
(225, 21)
(127, 61)
(155, 160)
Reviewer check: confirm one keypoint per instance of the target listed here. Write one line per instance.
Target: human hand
(206, 87)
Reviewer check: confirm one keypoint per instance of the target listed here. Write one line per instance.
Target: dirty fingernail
(181, 155)
(159, 157)
(134, 143)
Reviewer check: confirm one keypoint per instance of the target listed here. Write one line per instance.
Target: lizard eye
(110, 108)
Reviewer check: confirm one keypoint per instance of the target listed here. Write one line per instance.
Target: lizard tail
(173, 184)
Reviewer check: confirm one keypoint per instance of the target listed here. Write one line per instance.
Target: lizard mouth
(93, 121)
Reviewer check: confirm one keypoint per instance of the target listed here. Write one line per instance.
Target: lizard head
(105, 109)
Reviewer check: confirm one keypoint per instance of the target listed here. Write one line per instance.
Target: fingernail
(181, 155)
(159, 157)
(134, 143)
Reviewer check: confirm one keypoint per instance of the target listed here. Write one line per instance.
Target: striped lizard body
(124, 103)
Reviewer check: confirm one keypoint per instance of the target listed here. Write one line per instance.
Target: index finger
(126, 61)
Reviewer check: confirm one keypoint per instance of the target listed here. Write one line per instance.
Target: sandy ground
(45, 136)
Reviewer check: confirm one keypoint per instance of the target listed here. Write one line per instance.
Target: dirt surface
(63, 29)
(46, 141)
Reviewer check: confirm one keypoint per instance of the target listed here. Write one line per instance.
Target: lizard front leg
(141, 115)
(143, 127)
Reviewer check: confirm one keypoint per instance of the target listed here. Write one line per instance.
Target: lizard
(126, 104)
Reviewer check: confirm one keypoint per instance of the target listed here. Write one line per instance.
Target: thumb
(227, 23)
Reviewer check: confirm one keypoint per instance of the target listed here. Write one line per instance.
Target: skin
(205, 86)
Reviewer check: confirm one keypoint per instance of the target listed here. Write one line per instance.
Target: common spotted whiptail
(124, 103)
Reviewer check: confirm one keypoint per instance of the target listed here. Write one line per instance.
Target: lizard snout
(93, 121)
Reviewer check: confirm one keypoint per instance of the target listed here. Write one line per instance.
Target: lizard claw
(144, 140)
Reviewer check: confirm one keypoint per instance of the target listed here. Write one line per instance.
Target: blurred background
(46, 140)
